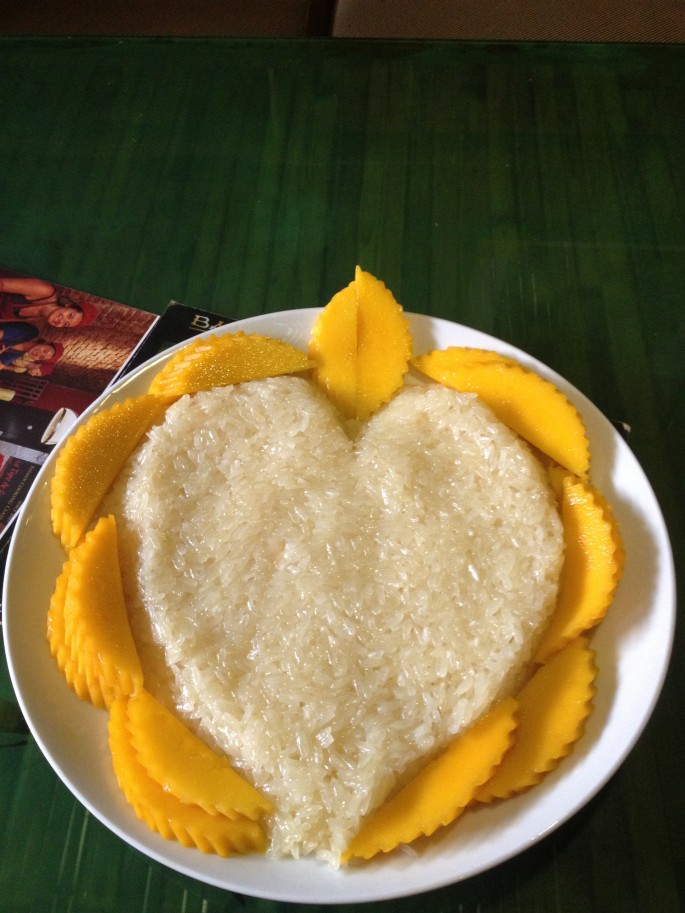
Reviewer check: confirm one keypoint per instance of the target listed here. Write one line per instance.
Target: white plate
(633, 647)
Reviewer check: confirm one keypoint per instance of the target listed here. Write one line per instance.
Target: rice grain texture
(328, 605)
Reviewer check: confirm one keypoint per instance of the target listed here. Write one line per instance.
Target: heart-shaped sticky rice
(334, 605)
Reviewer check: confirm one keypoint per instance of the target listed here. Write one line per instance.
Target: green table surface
(535, 192)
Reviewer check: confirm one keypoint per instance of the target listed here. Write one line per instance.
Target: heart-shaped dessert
(331, 603)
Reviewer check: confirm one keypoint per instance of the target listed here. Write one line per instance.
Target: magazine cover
(59, 349)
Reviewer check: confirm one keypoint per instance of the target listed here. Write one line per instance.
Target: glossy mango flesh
(164, 812)
(593, 562)
(88, 626)
(361, 345)
(187, 768)
(92, 458)
(552, 709)
(219, 361)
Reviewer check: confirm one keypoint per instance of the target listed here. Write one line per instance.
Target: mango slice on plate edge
(552, 708)
(88, 626)
(164, 812)
(219, 361)
(61, 651)
(361, 345)
(177, 785)
(186, 767)
(91, 459)
(593, 563)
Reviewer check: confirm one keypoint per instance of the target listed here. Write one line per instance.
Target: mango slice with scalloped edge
(333, 346)
(91, 459)
(619, 547)
(553, 707)
(164, 812)
(441, 791)
(472, 357)
(530, 405)
(86, 689)
(185, 766)
(361, 344)
(593, 562)
(96, 627)
(231, 358)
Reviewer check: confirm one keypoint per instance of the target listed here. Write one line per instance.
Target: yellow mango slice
(384, 344)
(361, 344)
(96, 626)
(528, 404)
(553, 707)
(610, 517)
(556, 475)
(164, 813)
(183, 765)
(471, 357)
(92, 458)
(593, 563)
(85, 688)
(233, 358)
(333, 346)
(59, 649)
(440, 791)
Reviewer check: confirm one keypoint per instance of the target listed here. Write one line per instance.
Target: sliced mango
(384, 344)
(163, 812)
(183, 765)
(361, 344)
(593, 563)
(59, 648)
(96, 627)
(556, 475)
(92, 458)
(233, 358)
(85, 688)
(553, 707)
(471, 357)
(610, 517)
(333, 346)
(440, 791)
(528, 404)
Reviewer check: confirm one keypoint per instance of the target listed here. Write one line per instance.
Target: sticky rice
(330, 605)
